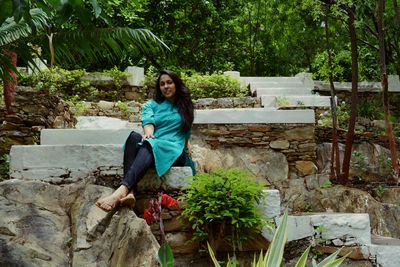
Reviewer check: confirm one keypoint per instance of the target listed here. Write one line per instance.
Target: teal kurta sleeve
(169, 141)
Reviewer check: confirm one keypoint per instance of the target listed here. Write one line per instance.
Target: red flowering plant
(153, 213)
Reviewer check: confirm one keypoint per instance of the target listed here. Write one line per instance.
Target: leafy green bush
(370, 109)
(215, 85)
(223, 206)
(70, 84)
(201, 86)
(342, 114)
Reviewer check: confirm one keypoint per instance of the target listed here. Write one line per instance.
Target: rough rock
(267, 166)
(49, 225)
(306, 167)
(369, 164)
(383, 216)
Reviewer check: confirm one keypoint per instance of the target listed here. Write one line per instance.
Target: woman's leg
(131, 149)
(130, 152)
(143, 161)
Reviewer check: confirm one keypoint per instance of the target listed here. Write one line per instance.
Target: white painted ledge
(253, 115)
(295, 101)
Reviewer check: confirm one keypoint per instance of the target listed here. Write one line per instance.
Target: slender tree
(351, 12)
(384, 81)
(335, 156)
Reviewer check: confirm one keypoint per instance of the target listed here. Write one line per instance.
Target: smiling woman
(167, 121)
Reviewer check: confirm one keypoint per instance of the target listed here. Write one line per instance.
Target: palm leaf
(110, 43)
(11, 31)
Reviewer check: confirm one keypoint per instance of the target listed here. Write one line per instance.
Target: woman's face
(167, 87)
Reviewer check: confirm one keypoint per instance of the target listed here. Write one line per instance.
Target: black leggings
(138, 158)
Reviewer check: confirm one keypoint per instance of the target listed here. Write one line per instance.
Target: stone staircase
(70, 155)
(284, 92)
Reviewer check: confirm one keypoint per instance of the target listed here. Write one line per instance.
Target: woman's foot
(110, 202)
(128, 201)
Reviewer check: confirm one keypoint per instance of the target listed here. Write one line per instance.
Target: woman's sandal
(128, 201)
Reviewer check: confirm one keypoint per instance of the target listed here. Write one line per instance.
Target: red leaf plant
(156, 207)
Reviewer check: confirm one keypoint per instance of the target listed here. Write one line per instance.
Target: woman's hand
(148, 131)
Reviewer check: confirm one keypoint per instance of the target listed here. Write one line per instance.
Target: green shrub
(223, 206)
(214, 86)
(370, 109)
(70, 84)
(342, 115)
(201, 86)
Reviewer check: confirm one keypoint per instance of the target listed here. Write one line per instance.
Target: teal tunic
(169, 140)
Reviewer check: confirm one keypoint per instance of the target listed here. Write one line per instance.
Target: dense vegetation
(254, 37)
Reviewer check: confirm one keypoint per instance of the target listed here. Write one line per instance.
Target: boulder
(50, 225)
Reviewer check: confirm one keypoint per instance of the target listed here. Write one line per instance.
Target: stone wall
(295, 141)
(33, 111)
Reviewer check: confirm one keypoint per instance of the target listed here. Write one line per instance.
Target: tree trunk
(10, 80)
(344, 177)
(385, 98)
(335, 157)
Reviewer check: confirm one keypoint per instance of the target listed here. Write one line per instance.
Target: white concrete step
(295, 101)
(85, 136)
(280, 91)
(329, 226)
(284, 85)
(384, 255)
(71, 163)
(253, 115)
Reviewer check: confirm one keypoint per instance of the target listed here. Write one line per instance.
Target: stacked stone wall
(33, 111)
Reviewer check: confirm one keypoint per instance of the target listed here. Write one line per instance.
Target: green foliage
(380, 191)
(282, 101)
(166, 255)
(274, 255)
(65, 82)
(359, 165)
(341, 66)
(123, 106)
(326, 184)
(117, 75)
(74, 86)
(225, 197)
(342, 114)
(370, 109)
(4, 167)
(214, 86)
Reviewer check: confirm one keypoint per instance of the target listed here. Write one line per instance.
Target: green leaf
(96, 8)
(212, 255)
(303, 259)
(329, 259)
(166, 256)
(275, 250)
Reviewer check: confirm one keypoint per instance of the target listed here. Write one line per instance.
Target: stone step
(85, 136)
(253, 115)
(280, 91)
(71, 163)
(273, 85)
(383, 255)
(352, 228)
(295, 101)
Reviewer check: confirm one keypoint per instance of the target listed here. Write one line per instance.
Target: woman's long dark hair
(182, 99)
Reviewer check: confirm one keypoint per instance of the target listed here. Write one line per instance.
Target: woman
(166, 120)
